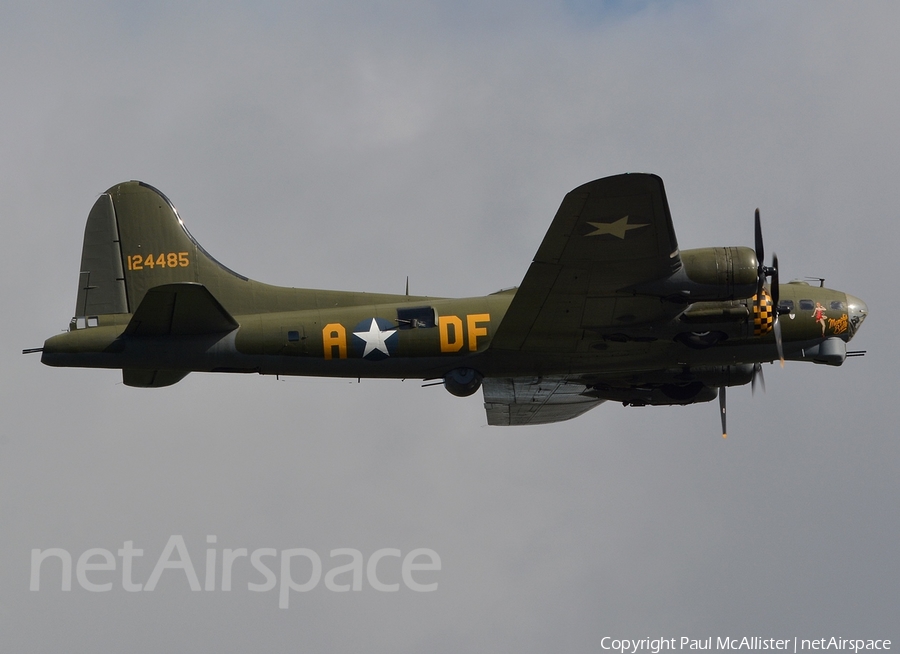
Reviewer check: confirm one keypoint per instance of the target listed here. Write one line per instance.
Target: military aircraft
(610, 309)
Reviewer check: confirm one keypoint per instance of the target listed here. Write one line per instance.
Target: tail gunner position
(610, 309)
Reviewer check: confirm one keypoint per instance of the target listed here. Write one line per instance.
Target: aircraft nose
(858, 311)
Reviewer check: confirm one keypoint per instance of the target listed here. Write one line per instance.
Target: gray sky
(341, 146)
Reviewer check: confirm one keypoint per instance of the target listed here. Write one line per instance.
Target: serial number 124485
(167, 260)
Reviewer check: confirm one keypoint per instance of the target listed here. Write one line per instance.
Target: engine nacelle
(708, 275)
(724, 375)
(657, 395)
(462, 382)
(726, 273)
(678, 387)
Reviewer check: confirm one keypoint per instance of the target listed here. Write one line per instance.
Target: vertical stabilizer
(135, 241)
(157, 249)
(101, 282)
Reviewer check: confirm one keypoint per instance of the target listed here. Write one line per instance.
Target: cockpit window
(838, 306)
(787, 306)
(807, 305)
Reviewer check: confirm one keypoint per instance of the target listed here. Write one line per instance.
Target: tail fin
(101, 282)
(134, 241)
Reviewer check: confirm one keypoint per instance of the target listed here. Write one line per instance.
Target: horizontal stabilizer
(152, 378)
(180, 309)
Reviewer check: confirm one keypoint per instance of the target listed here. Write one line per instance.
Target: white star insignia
(375, 339)
(617, 228)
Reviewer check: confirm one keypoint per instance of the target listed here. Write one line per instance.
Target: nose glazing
(857, 311)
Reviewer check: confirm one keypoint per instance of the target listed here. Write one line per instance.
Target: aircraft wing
(608, 237)
(534, 401)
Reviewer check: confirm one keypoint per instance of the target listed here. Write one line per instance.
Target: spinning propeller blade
(762, 299)
(757, 372)
(760, 254)
(722, 410)
(772, 273)
(777, 325)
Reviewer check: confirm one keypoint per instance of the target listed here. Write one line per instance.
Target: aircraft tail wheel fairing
(462, 382)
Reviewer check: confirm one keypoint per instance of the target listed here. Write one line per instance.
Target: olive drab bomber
(610, 309)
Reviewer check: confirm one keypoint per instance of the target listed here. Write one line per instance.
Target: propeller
(762, 300)
(762, 308)
(722, 410)
(764, 271)
(777, 326)
(757, 372)
(760, 255)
